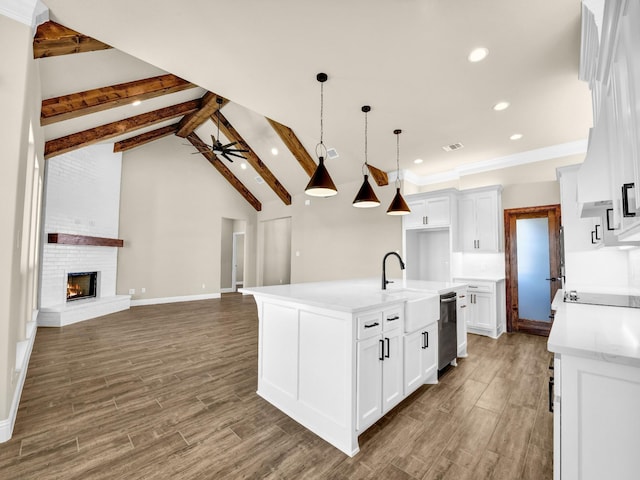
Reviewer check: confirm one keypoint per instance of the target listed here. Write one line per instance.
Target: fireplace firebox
(81, 285)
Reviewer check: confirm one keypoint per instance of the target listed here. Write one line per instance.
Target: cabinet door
(417, 216)
(369, 385)
(429, 350)
(486, 222)
(483, 311)
(413, 360)
(461, 325)
(392, 380)
(437, 212)
(467, 225)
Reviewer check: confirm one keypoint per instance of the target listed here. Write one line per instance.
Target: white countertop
(594, 331)
(486, 278)
(353, 295)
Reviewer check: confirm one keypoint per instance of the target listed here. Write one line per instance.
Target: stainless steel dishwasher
(447, 330)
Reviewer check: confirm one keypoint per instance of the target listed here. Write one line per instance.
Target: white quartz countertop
(595, 331)
(353, 295)
(485, 278)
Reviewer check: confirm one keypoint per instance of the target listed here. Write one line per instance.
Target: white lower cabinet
(485, 306)
(420, 358)
(596, 419)
(380, 371)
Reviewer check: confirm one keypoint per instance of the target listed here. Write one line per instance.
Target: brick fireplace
(81, 216)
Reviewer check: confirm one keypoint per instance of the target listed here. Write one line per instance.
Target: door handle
(386, 355)
(626, 211)
(598, 237)
(551, 385)
(552, 279)
(381, 350)
(593, 240)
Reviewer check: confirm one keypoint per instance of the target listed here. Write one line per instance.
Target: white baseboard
(227, 290)
(183, 298)
(24, 354)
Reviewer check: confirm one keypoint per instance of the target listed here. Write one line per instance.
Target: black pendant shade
(366, 197)
(321, 184)
(398, 205)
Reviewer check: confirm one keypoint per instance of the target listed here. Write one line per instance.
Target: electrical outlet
(132, 291)
(142, 290)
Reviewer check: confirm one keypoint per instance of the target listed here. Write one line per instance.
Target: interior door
(532, 250)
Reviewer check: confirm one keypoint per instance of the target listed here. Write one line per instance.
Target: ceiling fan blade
(233, 154)
(225, 156)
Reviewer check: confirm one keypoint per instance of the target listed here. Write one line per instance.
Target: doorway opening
(232, 255)
(532, 251)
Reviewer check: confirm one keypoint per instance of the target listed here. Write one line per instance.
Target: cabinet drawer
(393, 318)
(369, 324)
(481, 287)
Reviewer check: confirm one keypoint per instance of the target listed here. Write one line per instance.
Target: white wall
(332, 240)
(20, 193)
(82, 197)
(171, 210)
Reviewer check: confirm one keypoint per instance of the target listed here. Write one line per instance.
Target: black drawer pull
(391, 319)
(375, 324)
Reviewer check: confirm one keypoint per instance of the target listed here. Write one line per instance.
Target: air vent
(332, 153)
(452, 147)
(259, 179)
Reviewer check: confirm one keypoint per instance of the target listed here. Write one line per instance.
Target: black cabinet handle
(386, 355)
(598, 237)
(551, 385)
(626, 212)
(391, 319)
(381, 350)
(425, 340)
(375, 324)
(593, 232)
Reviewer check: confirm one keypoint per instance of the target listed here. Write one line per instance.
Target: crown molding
(27, 12)
(523, 158)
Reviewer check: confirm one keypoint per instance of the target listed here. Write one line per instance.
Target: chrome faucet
(384, 269)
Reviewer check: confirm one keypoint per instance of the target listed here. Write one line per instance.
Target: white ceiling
(405, 58)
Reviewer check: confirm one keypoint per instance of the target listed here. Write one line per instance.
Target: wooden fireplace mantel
(69, 239)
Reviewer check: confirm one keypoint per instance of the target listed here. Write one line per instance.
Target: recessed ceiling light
(274, 151)
(243, 166)
(478, 54)
(417, 160)
(501, 106)
(515, 136)
(136, 103)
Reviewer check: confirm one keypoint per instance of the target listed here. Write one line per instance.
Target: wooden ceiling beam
(99, 99)
(233, 136)
(224, 170)
(295, 146)
(192, 121)
(379, 176)
(138, 140)
(52, 39)
(105, 132)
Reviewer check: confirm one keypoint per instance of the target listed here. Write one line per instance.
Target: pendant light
(366, 197)
(398, 205)
(321, 184)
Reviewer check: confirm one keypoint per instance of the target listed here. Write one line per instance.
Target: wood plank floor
(168, 391)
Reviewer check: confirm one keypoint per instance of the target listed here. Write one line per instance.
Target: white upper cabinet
(480, 217)
(430, 209)
(610, 63)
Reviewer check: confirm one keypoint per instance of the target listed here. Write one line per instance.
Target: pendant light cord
(398, 184)
(323, 149)
(366, 164)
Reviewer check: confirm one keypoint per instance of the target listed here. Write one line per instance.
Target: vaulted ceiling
(405, 58)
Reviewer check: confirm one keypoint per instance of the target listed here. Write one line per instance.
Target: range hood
(594, 177)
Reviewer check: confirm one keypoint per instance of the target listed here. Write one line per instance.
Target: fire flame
(73, 290)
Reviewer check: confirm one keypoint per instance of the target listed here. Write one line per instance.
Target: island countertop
(353, 295)
(600, 332)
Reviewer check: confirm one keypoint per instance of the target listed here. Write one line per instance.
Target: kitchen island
(336, 356)
(596, 390)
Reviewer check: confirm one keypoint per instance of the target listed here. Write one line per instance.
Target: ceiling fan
(226, 150)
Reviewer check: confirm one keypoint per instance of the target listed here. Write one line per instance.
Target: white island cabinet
(596, 391)
(336, 356)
